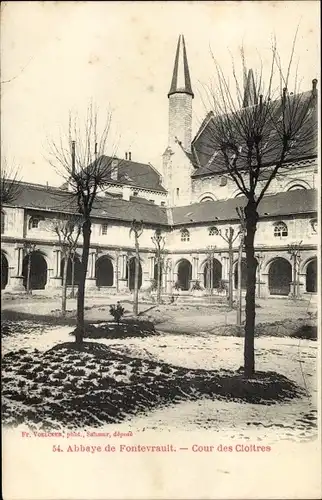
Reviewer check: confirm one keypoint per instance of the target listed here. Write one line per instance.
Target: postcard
(160, 243)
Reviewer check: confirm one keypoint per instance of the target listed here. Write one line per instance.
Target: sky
(58, 56)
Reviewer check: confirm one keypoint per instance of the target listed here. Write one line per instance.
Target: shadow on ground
(72, 387)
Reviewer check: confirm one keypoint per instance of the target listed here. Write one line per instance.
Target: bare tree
(254, 135)
(78, 157)
(10, 185)
(159, 241)
(137, 230)
(229, 237)
(29, 249)
(68, 229)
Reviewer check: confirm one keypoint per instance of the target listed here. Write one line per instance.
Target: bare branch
(10, 184)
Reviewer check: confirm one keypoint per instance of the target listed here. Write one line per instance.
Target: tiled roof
(281, 204)
(211, 160)
(44, 198)
(133, 173)
(54, 199)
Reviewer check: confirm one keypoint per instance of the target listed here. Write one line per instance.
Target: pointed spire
(250, 97)
(181, 82)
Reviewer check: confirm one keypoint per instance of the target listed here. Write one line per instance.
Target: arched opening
(73, 267)
(130, 273)
(38, 271)
(311, 276)
(104, 272)
(206, 198)
(212, 274)
(184, 274)
(243, 274)
(295, 187)
(4, 271)
(280, 277)
(155, 273)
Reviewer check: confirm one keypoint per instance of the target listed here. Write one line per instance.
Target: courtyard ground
(182, 375)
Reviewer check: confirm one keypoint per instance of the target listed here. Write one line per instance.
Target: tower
(180, 100)
(177, 168)
(250, 96)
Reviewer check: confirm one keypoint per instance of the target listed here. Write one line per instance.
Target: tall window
(280, 230)
(3, 221)
(178, 191)
(104, 228)
(185, 235)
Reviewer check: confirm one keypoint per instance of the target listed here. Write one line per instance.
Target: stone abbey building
(189, 202)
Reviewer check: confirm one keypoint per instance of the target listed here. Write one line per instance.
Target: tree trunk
(230, 275)
(64, 289)
(159, 281)
(251, 218)
(239, 287)
(73, 277)
(136, 282)
(28, 288)
(80, 326)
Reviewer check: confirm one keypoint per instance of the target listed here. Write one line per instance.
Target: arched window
(206, 198)
(3, 222)
(185, 235)
(33, 222)
(213, 231)
(295, 187)
(280, 230)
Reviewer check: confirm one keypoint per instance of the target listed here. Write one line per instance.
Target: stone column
(169, 276)
(264, 285)
(152, 261)
(116, 271)
(56, 280)
(225, 268)
(194, 277)
(122, 272)
(302, 284)
(90, 276)
(147, 272)
(16, 281)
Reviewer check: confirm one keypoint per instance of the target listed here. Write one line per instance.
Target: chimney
(73, 157)
(126, 155)
(314, 84)
(95, 151)
(114, 170)
(130, 154)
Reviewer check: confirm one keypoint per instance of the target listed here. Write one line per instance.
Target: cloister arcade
(116, 270)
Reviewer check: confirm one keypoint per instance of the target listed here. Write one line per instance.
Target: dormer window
(104, 228)
(280, 230)
(34, 222)
(185, 235)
